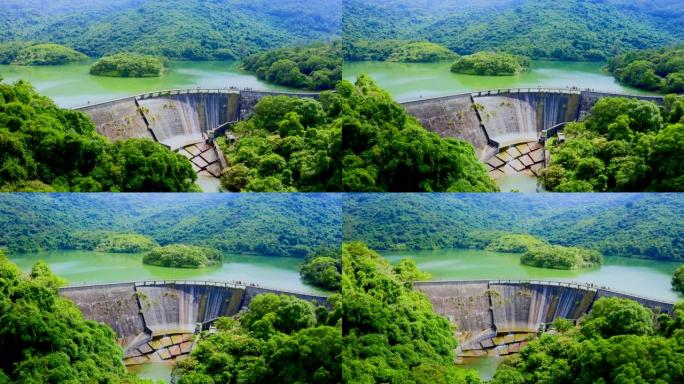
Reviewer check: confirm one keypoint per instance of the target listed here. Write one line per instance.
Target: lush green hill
(274, 225)
(632, 225)
(128, 65)
(191, 29)
(565, 29)
(657, 69)
(18, 53)
(402, 51)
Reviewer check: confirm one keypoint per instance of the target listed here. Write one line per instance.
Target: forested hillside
(566, 29)
(635, 225)
(274, 225)
(189, 29)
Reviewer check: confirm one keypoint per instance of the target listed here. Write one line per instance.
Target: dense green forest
(656, 70)
(129, 65)
(620, 341)
(288, 144)
(624, 145)
(539, 253)
(314, 67)
(678, 279)
(563, 30)
(18, 53)
(44, 337)
(270, 225)
(323, 268)
(278, 339)
(402, 51)
(390, 332)
(386, 149)
(491, 64)
(187, 29)
(45, 148)
(183, 256)
(631, 225)
(124, 243)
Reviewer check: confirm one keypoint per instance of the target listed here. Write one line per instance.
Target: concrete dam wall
(186, 121)
(499, 317)
(155, 321)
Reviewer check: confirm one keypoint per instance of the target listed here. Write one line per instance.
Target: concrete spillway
(154, 321)
(499, 317)
(186, 121)
(496, 122)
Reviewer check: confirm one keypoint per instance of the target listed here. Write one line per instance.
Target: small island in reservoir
(183, 256)
(491, 64)
(538, 253)
(129, 65)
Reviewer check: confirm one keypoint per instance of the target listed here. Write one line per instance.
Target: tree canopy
(387, 150)
(678, 279)
(183, 256)
(44, 337)
(45, 148)
(659, 70)
(402, 51)
(18, 53)
(624, 145)
(620, 341)
(278, 339)
(391, 334)
(491, 64)
(129, 65)
(315, 67)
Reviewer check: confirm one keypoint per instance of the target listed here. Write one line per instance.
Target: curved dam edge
(493, 119)
(153, 320)
(491, 314)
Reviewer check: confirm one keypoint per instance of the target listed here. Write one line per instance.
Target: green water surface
(88, 267)
(408, 81)
(646, 278)
(71, 86)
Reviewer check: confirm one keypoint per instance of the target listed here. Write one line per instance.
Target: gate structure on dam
(155, 320)
(186, 121)
(506, 126)
(499, 317)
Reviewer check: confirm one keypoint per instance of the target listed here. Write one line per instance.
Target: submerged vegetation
(624, 145)
(402, 51)
(129, 65)
(44, 337)
(659, 70)
(491, 64)
(17, 53)
(278, 339)
(619, 341)
(314, 67)
(183, 256)
(391, 334)
(44, 148)
(387, 150)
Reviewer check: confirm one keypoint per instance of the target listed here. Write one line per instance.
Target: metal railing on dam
(194, 91)
(508, 91)
(211, 283)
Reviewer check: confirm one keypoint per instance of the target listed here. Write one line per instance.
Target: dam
(154, 321)
(186, 121)
(499, 317)
(507, 127)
